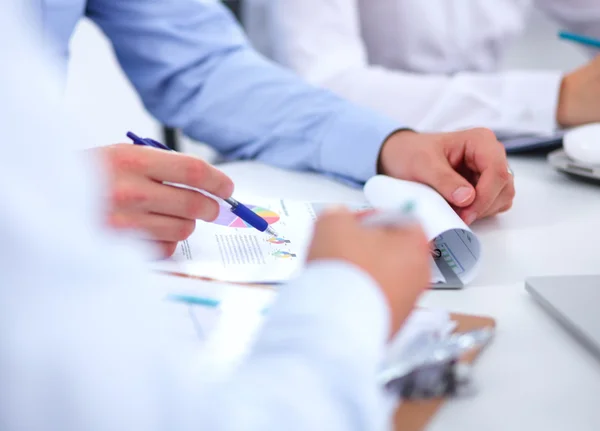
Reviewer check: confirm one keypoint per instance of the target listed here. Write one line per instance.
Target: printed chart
(227, 218)
(281, 254)
(278, 240)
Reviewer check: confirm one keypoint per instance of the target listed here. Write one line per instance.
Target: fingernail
(226, 190)
(462, 194)
(471, 218)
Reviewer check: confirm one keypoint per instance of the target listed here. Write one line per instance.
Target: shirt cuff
(334, 308)
(353, 142)
(531, 101)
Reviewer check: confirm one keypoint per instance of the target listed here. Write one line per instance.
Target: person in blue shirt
(194, 70)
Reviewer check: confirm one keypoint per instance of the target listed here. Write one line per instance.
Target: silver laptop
(575, 302)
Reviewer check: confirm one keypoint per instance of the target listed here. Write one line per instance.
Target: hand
(579, 99)
(468, 168)
(396, 258)
(139, 200)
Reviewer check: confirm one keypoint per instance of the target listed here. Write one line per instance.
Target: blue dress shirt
(194, 70)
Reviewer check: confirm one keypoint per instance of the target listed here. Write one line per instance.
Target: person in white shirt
(433, 64)
(82, 346)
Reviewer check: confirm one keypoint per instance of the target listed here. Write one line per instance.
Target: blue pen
(240, 210)
(194, 300)
(584, 40)
(199, 301)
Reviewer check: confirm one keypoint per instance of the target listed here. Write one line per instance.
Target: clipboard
(415, 415)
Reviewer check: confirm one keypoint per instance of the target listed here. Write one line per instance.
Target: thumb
(450, 184)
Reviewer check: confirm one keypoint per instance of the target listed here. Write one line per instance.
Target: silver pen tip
(271, 231)
(232, 202)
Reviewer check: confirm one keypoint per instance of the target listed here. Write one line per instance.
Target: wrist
(390, 150)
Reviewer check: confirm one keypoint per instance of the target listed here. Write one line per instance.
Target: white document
(220, 337)
(230, 250)
(216, 337)
(459, 246)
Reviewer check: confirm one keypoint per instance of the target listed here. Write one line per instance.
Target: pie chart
(227, 218)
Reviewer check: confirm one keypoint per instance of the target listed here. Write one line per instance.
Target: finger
(334, 219)
(362, 214)
(413, 240)
(335, 214)
(172, 167)
(166, 248)
(504, 201)
(489, 187)
(435, 170)
(411, 234)
(156, 226)
(139, 194)
(485, 156)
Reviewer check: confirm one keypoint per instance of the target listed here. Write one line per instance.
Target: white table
(534, 376)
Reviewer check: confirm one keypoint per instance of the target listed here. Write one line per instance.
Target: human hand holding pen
(396, 257)
(139, 199)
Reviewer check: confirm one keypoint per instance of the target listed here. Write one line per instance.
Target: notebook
(230, 250)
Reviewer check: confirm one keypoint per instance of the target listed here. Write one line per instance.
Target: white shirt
(433, 64)
(82, 343)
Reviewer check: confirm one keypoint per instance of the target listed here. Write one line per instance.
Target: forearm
(195, 70)
(272, 116)
(509, 103)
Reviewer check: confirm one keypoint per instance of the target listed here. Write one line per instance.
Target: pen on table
(239, 209)
(581, 39)
(397, 218)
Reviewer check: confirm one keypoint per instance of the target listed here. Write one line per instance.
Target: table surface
(534, 375)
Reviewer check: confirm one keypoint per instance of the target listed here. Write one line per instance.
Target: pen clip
(147, 142)
(157, 144)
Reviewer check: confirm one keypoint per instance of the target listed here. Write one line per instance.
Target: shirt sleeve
(315, 361)
(194, 70)
(322, 41)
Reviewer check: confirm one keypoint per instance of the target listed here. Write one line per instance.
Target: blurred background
(98, 89)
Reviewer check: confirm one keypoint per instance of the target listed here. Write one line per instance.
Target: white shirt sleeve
(321, 40)
(315, 362)
(82, 342)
